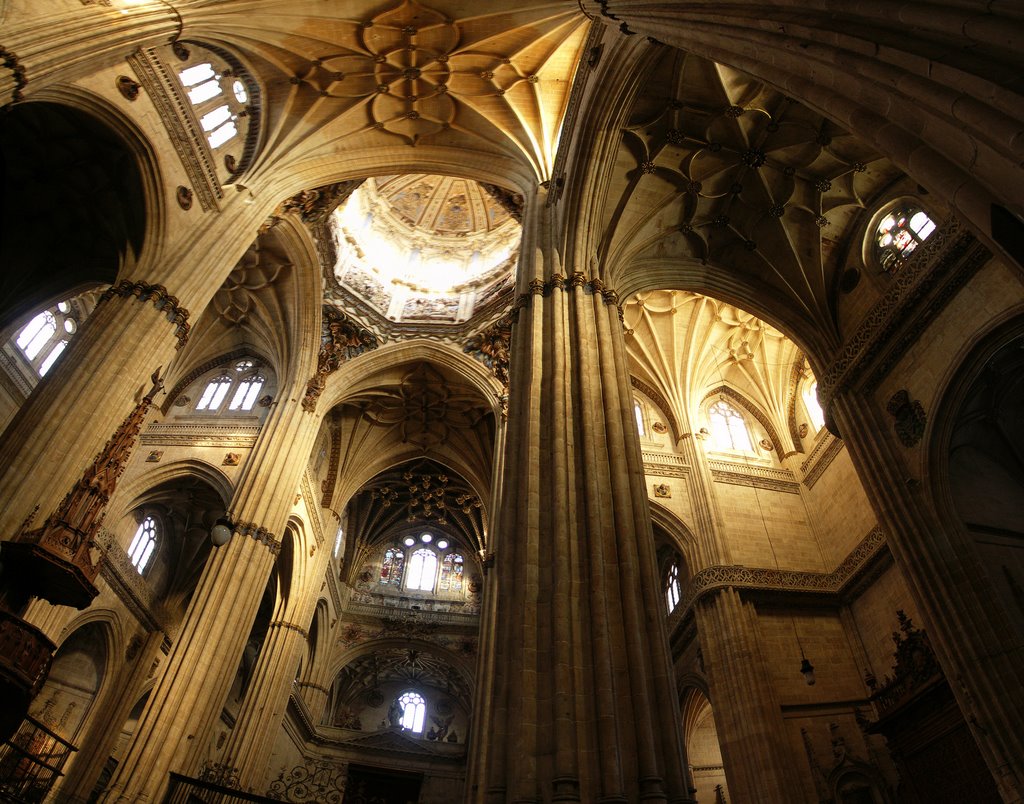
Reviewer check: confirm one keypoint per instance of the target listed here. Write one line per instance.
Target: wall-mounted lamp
(807, 671)
(220, 533)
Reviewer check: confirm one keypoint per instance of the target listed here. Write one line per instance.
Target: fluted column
(747, 714)
(188, 697)
(580, 705)
(259, 720)
(978, 643)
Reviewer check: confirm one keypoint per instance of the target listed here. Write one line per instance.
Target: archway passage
(702, 749)
(74, 206)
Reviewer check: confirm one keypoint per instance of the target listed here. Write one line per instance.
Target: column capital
(160, 297)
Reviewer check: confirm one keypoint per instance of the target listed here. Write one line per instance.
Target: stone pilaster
(580, 705)
(747, 713)
(203, 660)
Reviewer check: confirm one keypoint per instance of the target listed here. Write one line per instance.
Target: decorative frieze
(183, 129)
(821, 456)
(664, 464)
(765, 579)
(202, 434)
(764, 477)
(162, 301)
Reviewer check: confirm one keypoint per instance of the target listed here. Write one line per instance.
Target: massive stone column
(747, 714)
(190, 692)
(579, 703)
(259, 720)
(976, 640)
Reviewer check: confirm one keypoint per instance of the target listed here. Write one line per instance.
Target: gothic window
(224, 100)
(728, 427)
(414, 710)
(814, 411)
(422, 570)
(142, 546)
(42, 340)
(451, 573)
(339, 542)
(672, 589)
(899, 233)
(242, 385)
(391, 569)
(638, 413)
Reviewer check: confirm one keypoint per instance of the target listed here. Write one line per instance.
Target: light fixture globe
(220, 533)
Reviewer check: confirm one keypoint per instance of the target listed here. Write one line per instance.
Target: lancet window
(414, 710)
(42, 340)
(728, 427)
(140, 551)
(241, 385)
(672, 587)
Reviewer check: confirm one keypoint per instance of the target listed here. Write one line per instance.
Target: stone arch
(703, 751)
(101, 166)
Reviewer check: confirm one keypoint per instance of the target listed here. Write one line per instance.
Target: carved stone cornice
(162, 301)
(260, 534)
(315, 522)
(833, 584)
(176, 114)
(664, 464)
(201, 434)
(920, 290)
(10, 62)
(329, 482)
(560, 282)
(821, 456)
(130, 587)
(763, 477)
(491, 346)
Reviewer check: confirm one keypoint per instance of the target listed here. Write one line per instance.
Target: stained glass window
(728, 427)
(414, 710)
(142, 546)
(672, 590)
(451, 573)
(391, 569)
(899, 233)
(422, 570)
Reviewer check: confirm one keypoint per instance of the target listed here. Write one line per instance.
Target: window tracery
(42, 340)
(245, 378)
(899, 233)
(728, 427)
(673, 591)
(427, 563)
(140, 551)
(414, 710)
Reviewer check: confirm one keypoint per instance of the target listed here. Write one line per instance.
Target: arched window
(899, 233)
(814, 411)
(42, 340)
(414, 710)
(451, 573)
(142, 546)
(224, 100)
(422, 570)
(247, 382)
(391, 569)
(672, 589)
(638, 414)
(339, 542)
(728, 427)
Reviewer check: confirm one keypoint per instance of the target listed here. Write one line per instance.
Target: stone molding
(124, 581)
(11, 62)
(821, 456)
(756, 476)
(656, 397)
(162, 300)
(290, 627)
(763, 579)
(260, 534)
(578, 279)
(357, 609)
(951, 255)
(314, 515)
(182, 127)
(201, 434)
(665, 465)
